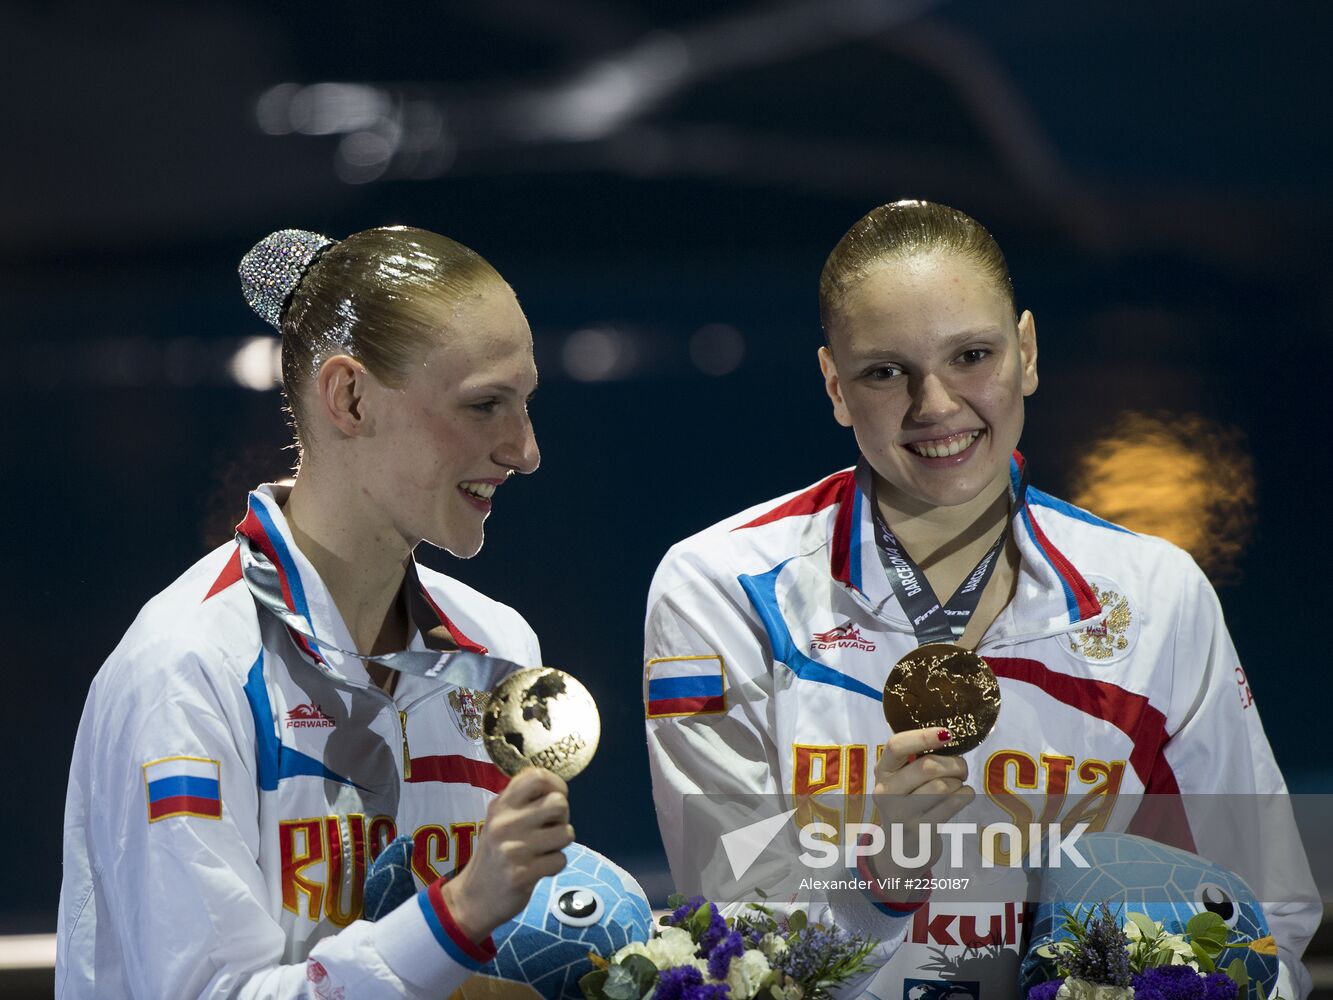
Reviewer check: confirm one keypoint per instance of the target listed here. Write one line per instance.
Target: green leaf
(1205, 960)
(642, 968)
(1144, 923)
(797, 920)
(1206, 925)
(620, 984)
(1239, 974)
(699, 921)
(676, 900)
(591, 984)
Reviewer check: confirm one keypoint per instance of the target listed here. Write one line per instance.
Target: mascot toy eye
(1166, 884)
(578, 907)
(593, 905)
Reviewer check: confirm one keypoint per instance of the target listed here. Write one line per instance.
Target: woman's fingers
(903, 747)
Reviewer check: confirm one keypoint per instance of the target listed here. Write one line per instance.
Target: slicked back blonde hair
(901, 230)
(382, 296)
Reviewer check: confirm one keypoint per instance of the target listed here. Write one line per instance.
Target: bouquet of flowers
(1103, 961)
(700, 955)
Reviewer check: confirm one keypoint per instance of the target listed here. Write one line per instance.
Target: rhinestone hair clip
(274, 267)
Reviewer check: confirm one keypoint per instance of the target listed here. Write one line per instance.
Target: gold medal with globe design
(541, 717)
(945, 686)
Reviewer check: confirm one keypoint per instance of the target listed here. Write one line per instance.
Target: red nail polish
(944, 736)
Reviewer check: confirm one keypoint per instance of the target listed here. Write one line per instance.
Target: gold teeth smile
(482, 491)
(944, 447)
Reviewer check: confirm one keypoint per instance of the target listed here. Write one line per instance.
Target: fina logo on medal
(466, 707)
(1113, 637)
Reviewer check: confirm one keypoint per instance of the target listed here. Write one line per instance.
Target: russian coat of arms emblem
(466, 707)
(1109, 637)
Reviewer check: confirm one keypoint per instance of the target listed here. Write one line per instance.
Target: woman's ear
(340, 388)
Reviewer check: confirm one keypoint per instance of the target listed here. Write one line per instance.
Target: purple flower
(1181, 982)
(673, 983)
(1219, 986)
(1046, 990)
(682, 912)
(717, 930)
(719, 959)
(815, 952)
(1100, 953)
(708, 991)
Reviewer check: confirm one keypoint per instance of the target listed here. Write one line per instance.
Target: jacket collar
(306, 594)
(1052, 595)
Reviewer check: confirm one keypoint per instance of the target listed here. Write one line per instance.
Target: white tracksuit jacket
(227, 793)
(1117, 678)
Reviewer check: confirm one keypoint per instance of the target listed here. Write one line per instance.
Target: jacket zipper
(407, 752)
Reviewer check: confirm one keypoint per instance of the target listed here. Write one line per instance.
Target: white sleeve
(183, 897)
(1239, 811)
(696, 609)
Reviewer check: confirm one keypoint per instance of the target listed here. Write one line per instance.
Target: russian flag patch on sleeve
(183, 786)
(686, 685)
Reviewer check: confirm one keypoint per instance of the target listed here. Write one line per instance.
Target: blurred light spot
(28, 951)
(273, 109)
(597, 354)
(363, 157)
(662, 57)
(717, 349)
(330, 108)
(609, 93)
(1182, 477)
(257, 363)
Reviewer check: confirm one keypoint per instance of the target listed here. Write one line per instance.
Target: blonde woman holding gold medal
(772, 637)
(276, 716)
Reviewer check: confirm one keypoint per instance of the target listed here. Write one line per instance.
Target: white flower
(1078, 989)
(773, 945)
(746, 975)
(672, 947)
(1181, 952)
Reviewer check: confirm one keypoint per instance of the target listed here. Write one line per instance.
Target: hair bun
(274, 267)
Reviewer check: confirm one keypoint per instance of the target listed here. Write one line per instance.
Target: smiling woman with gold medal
(306, 693)
(930, 586)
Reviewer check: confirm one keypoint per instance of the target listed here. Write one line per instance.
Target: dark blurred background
(660, 182)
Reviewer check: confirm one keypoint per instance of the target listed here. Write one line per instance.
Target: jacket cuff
(889, 907)
(423, 944)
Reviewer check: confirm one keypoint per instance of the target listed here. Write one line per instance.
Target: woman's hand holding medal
(914, 786)
(527, 829)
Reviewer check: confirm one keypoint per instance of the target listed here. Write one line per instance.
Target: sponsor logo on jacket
(308, 716)
(845, 636)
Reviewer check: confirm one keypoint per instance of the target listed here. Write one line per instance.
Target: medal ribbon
(459, 667)
(931, 620)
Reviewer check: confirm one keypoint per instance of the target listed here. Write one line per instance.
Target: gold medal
(943, 685)
(542, 717)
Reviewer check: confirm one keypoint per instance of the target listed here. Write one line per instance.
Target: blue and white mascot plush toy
(1168, 885)
(592, 905)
